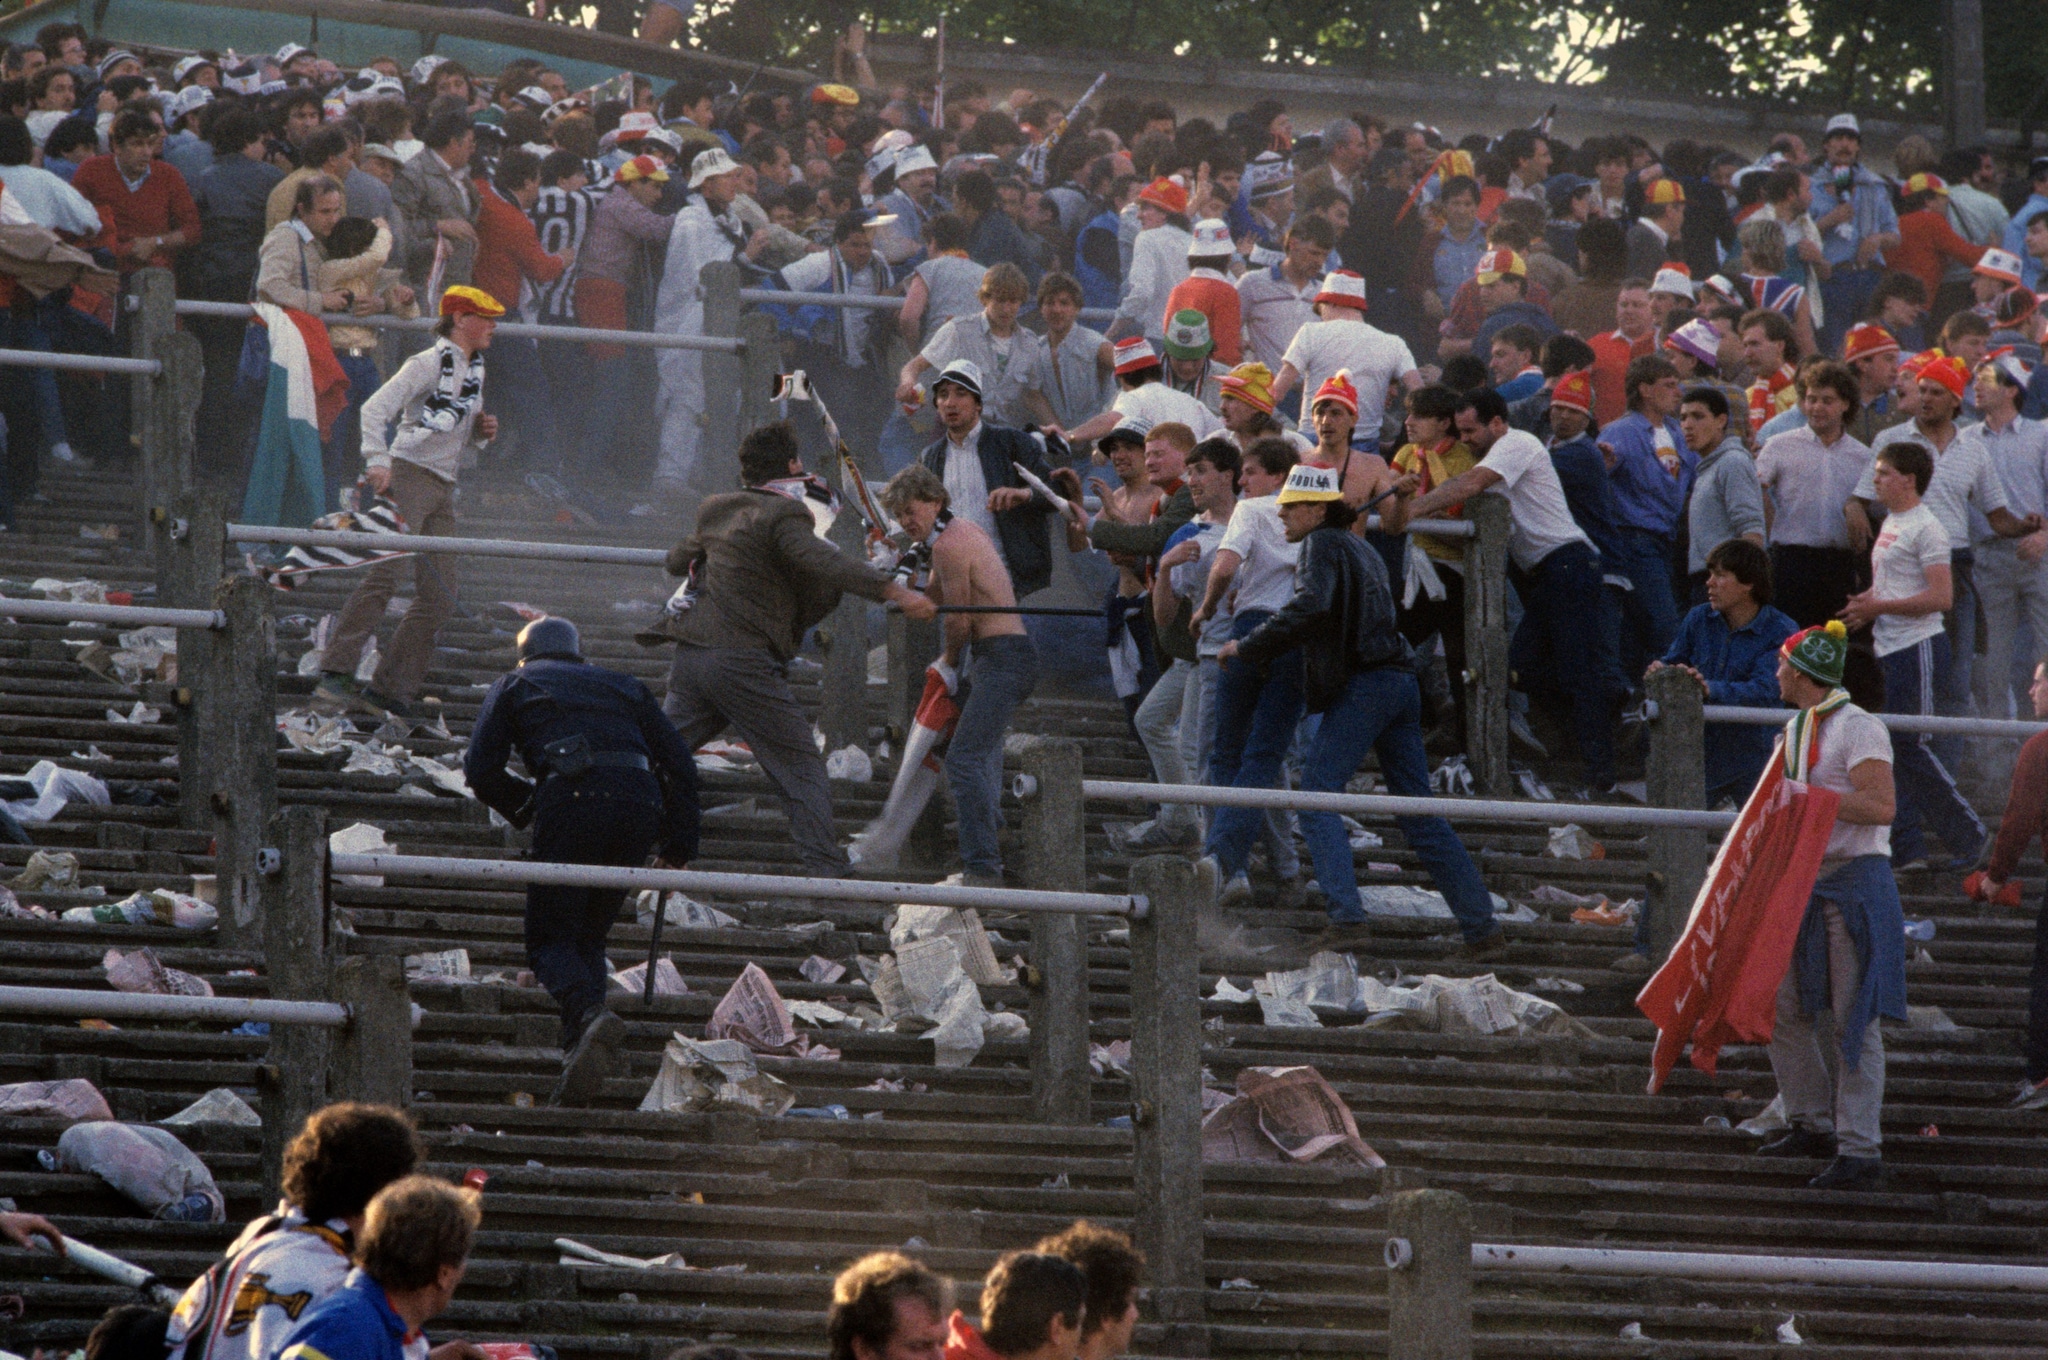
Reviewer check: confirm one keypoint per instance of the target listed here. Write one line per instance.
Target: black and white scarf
(381, 516)
(453, 400)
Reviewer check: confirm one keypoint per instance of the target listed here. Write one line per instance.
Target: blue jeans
(1927, 793)
(1000, 674)
(1845, 296)
(1652, 607)
(1381, 711)
(1279, 825)
(1256, 714)
(1560, 654)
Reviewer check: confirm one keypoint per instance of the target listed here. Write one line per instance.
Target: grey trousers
(2009, 591)
(1167, 723)
(746, 689)
(1846, 1102)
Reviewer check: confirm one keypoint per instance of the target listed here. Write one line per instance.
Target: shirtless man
(1002, 668)
(1363, 476)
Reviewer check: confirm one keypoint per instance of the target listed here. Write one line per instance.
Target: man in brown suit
(764, 578)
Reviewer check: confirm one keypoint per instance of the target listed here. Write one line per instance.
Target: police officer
(612, 781)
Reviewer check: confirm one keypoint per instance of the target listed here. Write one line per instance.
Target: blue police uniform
(614, 781)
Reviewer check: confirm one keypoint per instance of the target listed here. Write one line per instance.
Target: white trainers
(2033, 1096)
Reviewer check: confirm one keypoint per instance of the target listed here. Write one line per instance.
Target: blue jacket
(1740, 666)
(1867, 895)
(1514, 314)
(1648, 496)
(548, 699)
(1589, 495)
(355, 1322)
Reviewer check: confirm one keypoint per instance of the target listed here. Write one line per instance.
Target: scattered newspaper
(1284, 1114)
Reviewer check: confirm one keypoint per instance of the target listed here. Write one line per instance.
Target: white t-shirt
(1265, 577)
(1190, 580)
(1540, 519)
(1910, 542)
(1155, 403)
(1374, 358)
(1848, 737)
(1965, 478)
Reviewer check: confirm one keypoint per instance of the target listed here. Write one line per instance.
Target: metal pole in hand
(654, 946)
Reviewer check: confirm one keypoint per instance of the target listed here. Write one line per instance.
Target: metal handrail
(1388, 805)
(1700, 1265)
(78, 1003)
(1442, 528)
(712, 344)
(519, 872)
(1899, 722)
(118, 615)
(436, 543)
(880, 302)
(78, 363)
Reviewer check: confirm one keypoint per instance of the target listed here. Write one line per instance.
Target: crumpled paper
(679, 909)
(142, 971)
(218, 1106)
(923, 989)
(1330, 984)
(714, 1074)
(157, 907)
(47, 869)
(1572, 841)
(960, 925)
(56, 786)
(450, 965)
(1406, 899)
(141, 714)
(1284, 1114)
(73, 1098)
(667, 981)
(360, 838)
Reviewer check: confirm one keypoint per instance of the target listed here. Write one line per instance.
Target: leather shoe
(1798, 1142)
(1850, 1173)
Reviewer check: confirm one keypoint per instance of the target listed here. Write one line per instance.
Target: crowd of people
(1771, 420)
(365, 1250)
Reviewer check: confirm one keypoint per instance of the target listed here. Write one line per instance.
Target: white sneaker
(62, 453)
(2033, 1096)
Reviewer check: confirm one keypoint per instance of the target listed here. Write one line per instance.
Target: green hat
(1819, 653)
(1187, 335)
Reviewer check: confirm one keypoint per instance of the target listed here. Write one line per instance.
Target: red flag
(1720, 984)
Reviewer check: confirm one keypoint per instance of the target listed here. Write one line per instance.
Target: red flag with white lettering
(1720, 984)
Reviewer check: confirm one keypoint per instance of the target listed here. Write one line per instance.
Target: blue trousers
(1001, 673)
(1381, 711)
(1256, 714)
(603, 817)
(1652, 607)
(1927, 793)
(1562, 656)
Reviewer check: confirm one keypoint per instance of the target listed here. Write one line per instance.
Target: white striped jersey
(561, 217)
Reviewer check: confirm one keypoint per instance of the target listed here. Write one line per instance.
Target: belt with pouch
(572, 756)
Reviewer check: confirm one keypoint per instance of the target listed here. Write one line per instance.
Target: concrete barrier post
(758, 367)
(161, 408)
(1055, 860)
(1166, 1088)
(188, 576)
(718, 467)
(1429, 1294)
(295, 966)
(235, 705)
(1485, 679)
(1676, 776)
(373, 1059)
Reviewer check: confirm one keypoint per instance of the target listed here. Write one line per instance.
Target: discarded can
(1931, 1131)
(1715, 1121)
(475, 1179)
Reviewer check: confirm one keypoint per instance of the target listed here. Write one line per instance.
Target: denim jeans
(1560, 654)
(1279, 830)
(1000, 674)
(1256, 714)
(1652, 609)
(1913, 677)
(1381, 711)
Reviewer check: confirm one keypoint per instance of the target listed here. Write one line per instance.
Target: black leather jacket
(1341, 617)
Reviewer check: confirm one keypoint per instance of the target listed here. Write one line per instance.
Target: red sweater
(508, 249)
(1926, 243)
(162, 205)
(1219, 302)
(1612, 352)
(2026, 809)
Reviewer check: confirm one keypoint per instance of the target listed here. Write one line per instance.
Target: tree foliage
(1881, 55)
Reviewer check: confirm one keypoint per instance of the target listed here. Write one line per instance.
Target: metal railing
(79, 363)
(77, 1003)
(437, 543)
(1733, 716)
(1390, 805)
(710, 344)
(114, 615)
(1431, 1260)
(520, 872)
(880, 302)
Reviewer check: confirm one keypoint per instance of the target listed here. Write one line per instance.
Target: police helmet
(549, 636)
